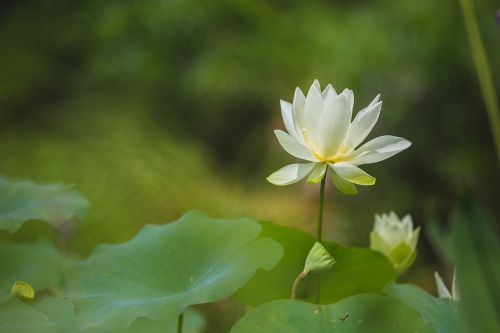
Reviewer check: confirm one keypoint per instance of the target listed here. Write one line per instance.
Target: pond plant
(289, 280)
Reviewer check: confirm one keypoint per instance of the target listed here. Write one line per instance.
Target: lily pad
(440, 313)
(39, 264)
(193, 323)
(57, 315)
(60, 311)
(18, 317)
(166, 268)
(360, 313)
(52, 203)
(347, 278)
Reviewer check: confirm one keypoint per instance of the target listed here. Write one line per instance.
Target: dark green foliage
(475, 250)
(347, 278)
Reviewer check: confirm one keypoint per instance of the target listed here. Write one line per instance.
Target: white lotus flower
(396, 239)
(320, 131)
(444, 292)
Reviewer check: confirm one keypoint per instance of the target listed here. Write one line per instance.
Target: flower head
(396, 239)
(319, 130)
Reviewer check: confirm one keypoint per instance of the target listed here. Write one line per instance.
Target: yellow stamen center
(341, 155)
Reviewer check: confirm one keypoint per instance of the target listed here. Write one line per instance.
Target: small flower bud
(318, 259)
(396, 239)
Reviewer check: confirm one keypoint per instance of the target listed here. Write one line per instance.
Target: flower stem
(320, 226)
(320, 208)
(299, 278)
(180, 323)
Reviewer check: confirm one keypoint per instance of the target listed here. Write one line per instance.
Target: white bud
(396, 239)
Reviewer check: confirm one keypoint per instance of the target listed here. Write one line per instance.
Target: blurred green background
(155, 107)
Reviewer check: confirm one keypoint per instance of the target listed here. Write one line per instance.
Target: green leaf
(38, 264)
(60, 311)
(358, 270)
(57, 315)
(475, 252)
(18, 317)
(440, 313)
(166, 268)
(193, 323)
(360, 313)
(51, 203)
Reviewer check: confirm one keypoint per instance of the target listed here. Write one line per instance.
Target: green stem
(483, 70)
(180, 323)
(320, 226)
(320, 208)
(299, 278)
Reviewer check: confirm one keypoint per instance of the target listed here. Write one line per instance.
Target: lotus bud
(396, 239)
(318, 259)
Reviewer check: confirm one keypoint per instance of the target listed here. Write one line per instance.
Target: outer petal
(379, 149)
(414, 238)
(352, 173)
(454, 288)
(402, 257)
(291, 174)
(378, 243)
(333, 125)
(443, 292)
(287, 114)
(294, 148)
(362, 125)
(343, 185)
(407, 223)
(375, 100)
(318, 173)
(299, 102)
(379, 222)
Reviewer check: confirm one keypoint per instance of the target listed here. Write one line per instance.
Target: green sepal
(402, 257)
(343, 185)
(317, 174)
